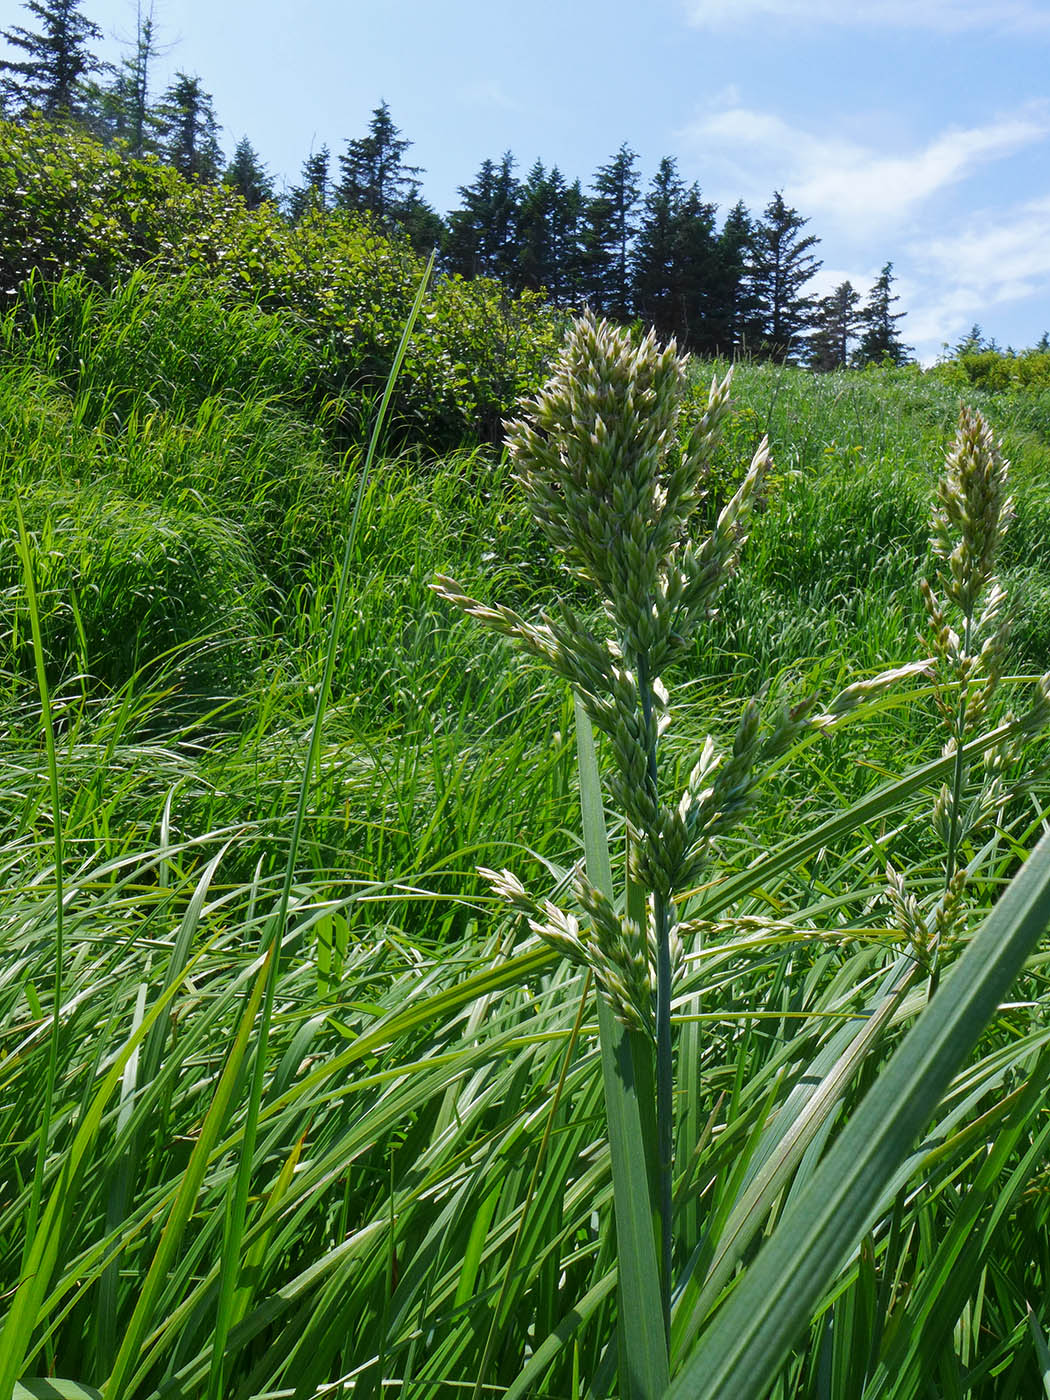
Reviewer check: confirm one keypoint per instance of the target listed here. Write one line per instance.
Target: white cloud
(948, 16)
(989, 263)
(857, 187)
(826, 279)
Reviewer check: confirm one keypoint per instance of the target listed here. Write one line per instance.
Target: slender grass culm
(25, 555)
(236, 1220)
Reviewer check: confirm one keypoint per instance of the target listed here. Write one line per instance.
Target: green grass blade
(644, 1350)
(740, 1356)
(775, 1172)
(43, 1389)
(186, 1198)
(46, 1243)
(234, 1234)
(29, 579)
(1042, 1351)
(566, 1329)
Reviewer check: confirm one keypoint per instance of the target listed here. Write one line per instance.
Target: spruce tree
(535, 232)
(248, 176)
(315, 191)
(880, 340)
(566, 287)
(730, 305)
(547, 226)
(973, 342)
(656, 258)
(698, 262)
(780, 265)
(836, 324)
(481, 236)
(675, 260)
(375, 179)
(135, 122)
(120, 109)
(189, 133)
(610, 233)
(49, 79)
(422, 225)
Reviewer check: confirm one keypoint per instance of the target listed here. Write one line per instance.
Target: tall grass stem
(234, 1234)
(26, 557)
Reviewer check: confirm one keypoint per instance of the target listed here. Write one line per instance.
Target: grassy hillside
(430, 1202)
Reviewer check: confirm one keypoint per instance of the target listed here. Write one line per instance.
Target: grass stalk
(274, 934)
(664, 1048)
(643, 1350)
(47, 1108)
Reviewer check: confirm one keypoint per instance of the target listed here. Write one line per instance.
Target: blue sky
(910, 131)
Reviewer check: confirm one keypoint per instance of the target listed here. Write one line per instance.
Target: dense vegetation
(385, 1162)
(722, 287)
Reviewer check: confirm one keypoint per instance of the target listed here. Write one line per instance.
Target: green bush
(68, 205)
(995, 370)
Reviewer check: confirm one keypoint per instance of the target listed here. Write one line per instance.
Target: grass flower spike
(598, 456)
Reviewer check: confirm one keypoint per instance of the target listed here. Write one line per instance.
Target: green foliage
(122, 583)
(432, 1196)
(996, 370)
(57, 57)
(69, 205)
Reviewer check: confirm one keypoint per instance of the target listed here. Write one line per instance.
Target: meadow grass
(430, 1210)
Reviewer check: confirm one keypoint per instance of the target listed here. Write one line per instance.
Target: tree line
(661, 255)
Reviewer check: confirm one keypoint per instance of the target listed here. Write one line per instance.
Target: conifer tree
(547, 228)
(675, 260)
(780, 265)
(698, 260)
(120, 109)
(880, 340)
(610, 232)
(835, 325)
(480, 239)
(135, 122)
(248, 175)
(730, 306)
(375, 179)
(973, 342)
(189, 133)
(536, 232)
(49, 79)
(566, 287)
(422, 225)
(315, 191)
(656, 258)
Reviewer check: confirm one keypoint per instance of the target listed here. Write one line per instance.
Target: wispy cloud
(989, 263)
(487, 92)
(857, 187)
(946, 16)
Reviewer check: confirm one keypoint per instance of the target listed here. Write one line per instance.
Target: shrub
(69, 205)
